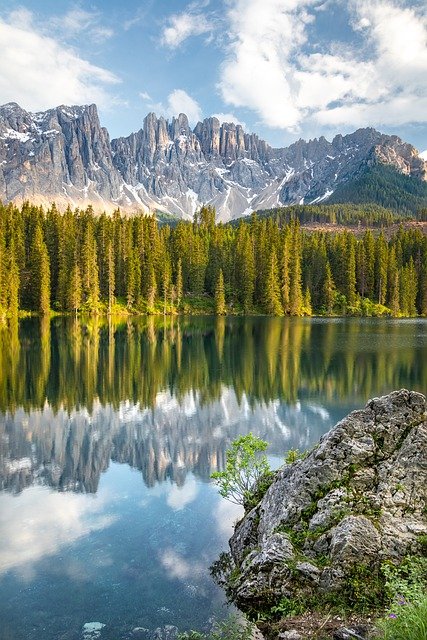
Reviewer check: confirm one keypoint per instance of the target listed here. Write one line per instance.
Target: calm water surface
(108, 437)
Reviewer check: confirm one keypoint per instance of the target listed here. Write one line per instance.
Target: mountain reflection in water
(167, 396)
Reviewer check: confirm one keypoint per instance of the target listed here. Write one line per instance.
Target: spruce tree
(13, 285)
(295, 277)
(90, 274)
(350, 272)
(393, 293)
(151, 291)
(220, 308)
(329, 290)
(75, 289)
(39, 269)
(272, 301)
(381, 263)
(307, 302)
(111, 278)
(179, 285)
(284, 273)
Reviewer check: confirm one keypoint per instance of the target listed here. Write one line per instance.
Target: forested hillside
(348, 214)
(78, 262)
(385, 186)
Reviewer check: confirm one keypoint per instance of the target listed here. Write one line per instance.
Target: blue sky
(285, 69)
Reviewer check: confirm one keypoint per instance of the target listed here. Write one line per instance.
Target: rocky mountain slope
(65, 155)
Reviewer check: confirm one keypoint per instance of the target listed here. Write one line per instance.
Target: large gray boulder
(357, 499)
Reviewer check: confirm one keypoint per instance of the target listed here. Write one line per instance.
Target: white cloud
(272, 67)
(182, 26)
(423, 155)
(78, 21)
(178, 101)
(38, 71)
(145, 96)
(255, 74)
(229, 117)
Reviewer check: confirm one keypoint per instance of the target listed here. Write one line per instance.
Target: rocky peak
(179, 127)
(64, 154)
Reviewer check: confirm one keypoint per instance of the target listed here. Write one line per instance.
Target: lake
(109, 433)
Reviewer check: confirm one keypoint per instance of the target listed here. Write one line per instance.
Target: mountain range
(65, 155)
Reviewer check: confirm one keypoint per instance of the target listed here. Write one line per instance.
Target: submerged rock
(329, 521)
(92, 630)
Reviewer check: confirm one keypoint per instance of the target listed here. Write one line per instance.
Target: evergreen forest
(78, 262)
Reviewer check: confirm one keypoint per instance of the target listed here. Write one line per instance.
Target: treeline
(78, 262)
(387, 187)
(350, 215)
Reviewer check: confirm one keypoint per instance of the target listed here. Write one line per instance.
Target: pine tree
(179, 285)
(90, 274)
(423, 279)
(3, 264)
(13, 285)
(151, 291)
(295, 279)
(393, 293)
(220, 308)
(272, 302)
(284, 273)
(350, 272)
(39, 269)
(408, 289)
(166, 283)
(307, 302)
(245, 267)
(111, 278)
(381, 263)
(369, 246)
(329, 290)
(75, 289)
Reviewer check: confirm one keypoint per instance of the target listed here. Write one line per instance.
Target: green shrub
(405, 586)
(232, 628)
(245, 467)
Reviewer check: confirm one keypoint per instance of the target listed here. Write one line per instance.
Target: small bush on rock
(245, 467)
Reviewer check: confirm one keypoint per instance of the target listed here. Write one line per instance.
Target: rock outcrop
(65, 155)
(329, 521)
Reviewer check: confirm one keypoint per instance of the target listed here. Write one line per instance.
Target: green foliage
(410, 624)
(77, 262)
(287, 607)
(384, 186)
(220, 309)
(406, 585)
(245, 466)
(293, 455)
(232, 628)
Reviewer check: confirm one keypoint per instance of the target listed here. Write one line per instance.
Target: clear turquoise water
(108, 436)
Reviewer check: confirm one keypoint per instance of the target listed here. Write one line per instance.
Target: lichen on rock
(329, 521)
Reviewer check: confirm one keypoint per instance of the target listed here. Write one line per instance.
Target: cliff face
(65, 155)
(329, 521)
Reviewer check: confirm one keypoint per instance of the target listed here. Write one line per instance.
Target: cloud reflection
(40, 523)
(180, 497)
